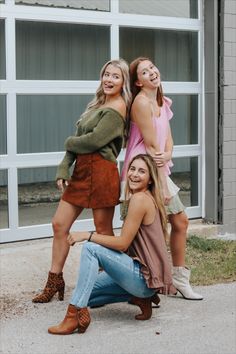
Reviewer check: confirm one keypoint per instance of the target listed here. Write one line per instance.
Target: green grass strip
(211, 261)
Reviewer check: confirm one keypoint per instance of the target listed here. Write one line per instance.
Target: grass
(211, 261)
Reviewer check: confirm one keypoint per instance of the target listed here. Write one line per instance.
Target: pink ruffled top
(136, 144)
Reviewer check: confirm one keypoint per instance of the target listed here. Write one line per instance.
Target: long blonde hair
(154, 187)
(100, 97)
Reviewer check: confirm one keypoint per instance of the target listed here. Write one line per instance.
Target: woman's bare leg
(62, 221)
(181, 274)
(178, 236)
(103, 220)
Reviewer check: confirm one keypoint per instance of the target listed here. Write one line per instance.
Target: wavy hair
(136, 89)
(154, 187)
(100, 97)
(134, 77)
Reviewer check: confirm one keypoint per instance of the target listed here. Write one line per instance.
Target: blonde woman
(95, 180)
(136, 264)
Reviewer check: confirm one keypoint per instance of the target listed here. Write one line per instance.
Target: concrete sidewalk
(177, 327)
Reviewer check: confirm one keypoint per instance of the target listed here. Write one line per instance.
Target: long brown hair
(134, 77)
(136, 89)
(154, 187)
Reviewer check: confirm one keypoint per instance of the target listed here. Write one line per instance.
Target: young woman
(95, 180)
(150, 132)
(136, 263)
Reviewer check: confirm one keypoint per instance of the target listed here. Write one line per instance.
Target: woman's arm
(141, 114)
(63, 170)
(110, 126)
(162, 158)
(138, 207)
(64, 166)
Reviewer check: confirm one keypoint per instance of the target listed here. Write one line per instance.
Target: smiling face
(148, 75)
(138, 176)
(112, 81)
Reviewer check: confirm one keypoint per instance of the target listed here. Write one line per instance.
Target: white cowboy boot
(181, 277)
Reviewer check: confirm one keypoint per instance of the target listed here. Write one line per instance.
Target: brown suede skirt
(94, 184)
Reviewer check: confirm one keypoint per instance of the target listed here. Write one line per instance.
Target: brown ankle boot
(145, 305)
(84, 319)
(55, 283)
(75, 318)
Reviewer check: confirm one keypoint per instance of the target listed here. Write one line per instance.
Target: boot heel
(83, 319)
(156, 300)
(145, 305)
(82, 330)
(61, 294)
(181, 277)
(55, 283)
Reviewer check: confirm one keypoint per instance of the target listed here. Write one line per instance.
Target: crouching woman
(135, 264)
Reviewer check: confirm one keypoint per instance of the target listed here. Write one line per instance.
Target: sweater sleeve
(109, 127)
(63, 170)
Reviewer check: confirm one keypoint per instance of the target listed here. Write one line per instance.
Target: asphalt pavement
(177, 327)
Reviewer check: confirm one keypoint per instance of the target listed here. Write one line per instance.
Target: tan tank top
(149, 249)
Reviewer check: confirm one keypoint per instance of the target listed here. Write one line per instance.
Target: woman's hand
(161, 158)
(166, 195)
(62, 184)
(78, 236)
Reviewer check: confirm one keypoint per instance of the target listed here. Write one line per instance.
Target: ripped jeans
(120, 280)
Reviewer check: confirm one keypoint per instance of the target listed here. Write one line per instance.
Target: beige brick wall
(229, 119)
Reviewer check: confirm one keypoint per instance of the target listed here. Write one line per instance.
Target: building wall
(229, 117)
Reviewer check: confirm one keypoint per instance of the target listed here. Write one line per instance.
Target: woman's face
(112, 81)
(148, 75)
(138, 176)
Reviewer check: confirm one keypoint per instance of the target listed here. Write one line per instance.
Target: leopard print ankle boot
(55, 283)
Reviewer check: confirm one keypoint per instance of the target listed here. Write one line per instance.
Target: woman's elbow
(150, 148)
(122, 246)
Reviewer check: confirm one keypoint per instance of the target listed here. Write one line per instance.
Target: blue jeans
(120, 280)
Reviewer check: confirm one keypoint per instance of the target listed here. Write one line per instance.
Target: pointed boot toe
(181, 276)
(76, 318)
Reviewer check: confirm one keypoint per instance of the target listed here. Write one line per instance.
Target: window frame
(11, 87)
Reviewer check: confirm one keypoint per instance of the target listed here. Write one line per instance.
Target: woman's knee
(57, 226)
(91, 247)
(184, 221)
(179, 222)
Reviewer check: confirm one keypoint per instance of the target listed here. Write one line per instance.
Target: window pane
(2, 51)
(3, 125)
(185, 175)
(184, 124)
(98, 5)
(38, 196)
(44, 122)
(174, 52)
(3, 200)
(60, 51)
(175, 8)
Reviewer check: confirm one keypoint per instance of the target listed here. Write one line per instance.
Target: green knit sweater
(101, 131)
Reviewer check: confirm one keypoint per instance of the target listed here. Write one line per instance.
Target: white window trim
(12, 87)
